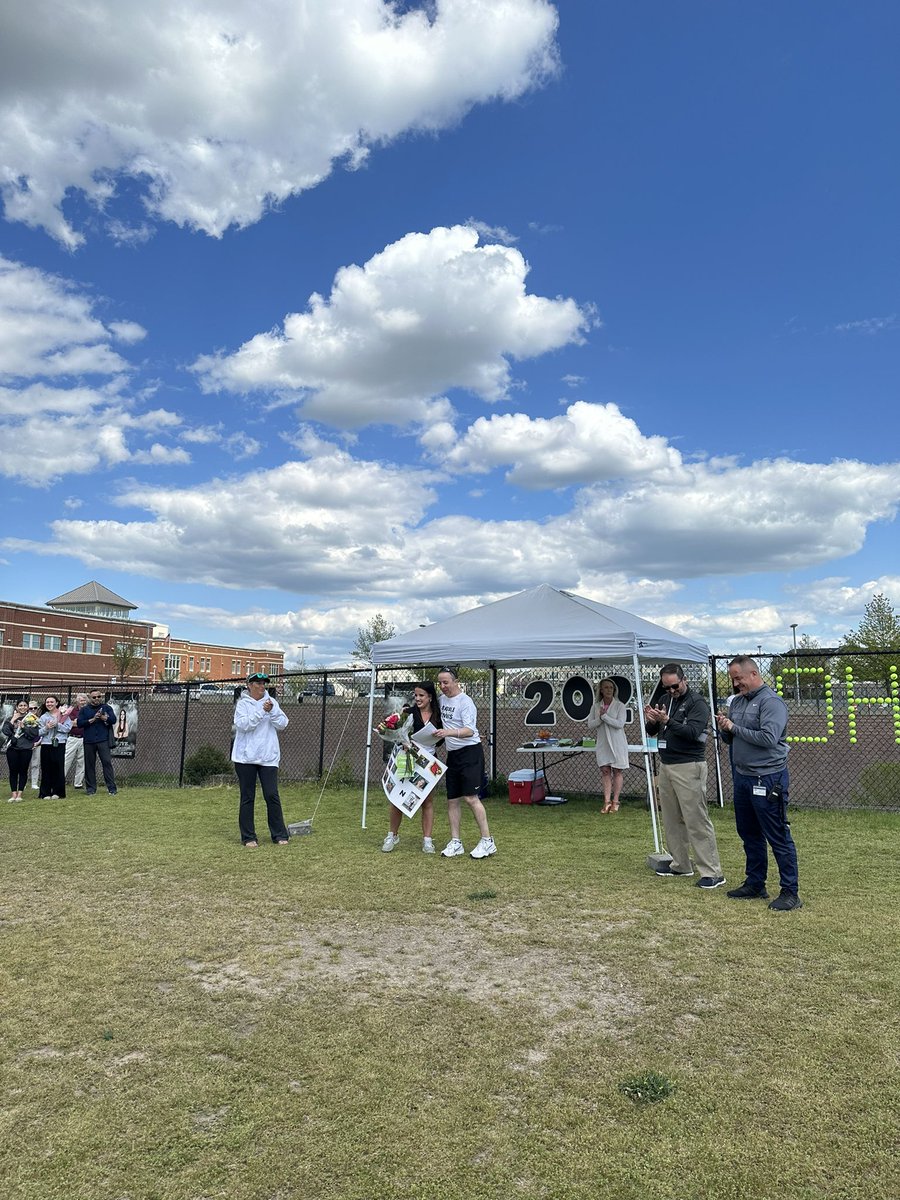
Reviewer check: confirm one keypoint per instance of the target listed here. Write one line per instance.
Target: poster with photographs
(125, 726)
(410, 775)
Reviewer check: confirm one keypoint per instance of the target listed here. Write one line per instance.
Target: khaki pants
(682, 798)
(75, 759)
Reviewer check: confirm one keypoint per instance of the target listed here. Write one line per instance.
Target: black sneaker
(668, 871)
(747, 892)
(708, 882)
(785, 901)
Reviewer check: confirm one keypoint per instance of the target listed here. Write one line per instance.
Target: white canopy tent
(539, 627)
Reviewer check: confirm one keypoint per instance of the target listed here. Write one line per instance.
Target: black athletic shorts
(465, 771)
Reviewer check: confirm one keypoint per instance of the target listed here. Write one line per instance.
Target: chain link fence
(844, 730)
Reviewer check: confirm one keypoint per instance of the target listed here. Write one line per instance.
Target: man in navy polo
(756, 729)
(96, 719)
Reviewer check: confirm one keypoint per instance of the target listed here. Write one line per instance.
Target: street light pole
(796, 669)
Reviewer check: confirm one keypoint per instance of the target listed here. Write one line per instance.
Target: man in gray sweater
(755, 728)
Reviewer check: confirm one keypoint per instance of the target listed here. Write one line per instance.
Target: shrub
(879, 786)
(208, 760)
(341, 773)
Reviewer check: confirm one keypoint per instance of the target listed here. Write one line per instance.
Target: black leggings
(19, 762)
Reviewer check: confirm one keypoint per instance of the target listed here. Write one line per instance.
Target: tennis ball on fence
(853, 741)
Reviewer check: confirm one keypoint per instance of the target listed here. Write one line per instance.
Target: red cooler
(526, 788)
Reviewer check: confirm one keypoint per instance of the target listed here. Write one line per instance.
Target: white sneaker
(34, 787)
(484, 849)
(390, 842)
(453, 849)
(427, 846)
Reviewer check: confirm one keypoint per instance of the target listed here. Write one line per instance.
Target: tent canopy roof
(540, 626)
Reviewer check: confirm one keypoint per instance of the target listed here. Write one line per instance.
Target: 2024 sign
(576, 697)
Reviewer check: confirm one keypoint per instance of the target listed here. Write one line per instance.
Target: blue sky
(315, 312)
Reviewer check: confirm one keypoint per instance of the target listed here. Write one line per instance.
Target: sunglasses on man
(259, 677)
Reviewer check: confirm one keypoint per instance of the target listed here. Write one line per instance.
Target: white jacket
(256, 736)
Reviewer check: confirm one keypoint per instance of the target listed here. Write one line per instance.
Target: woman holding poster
(425, 709)
(465, 764)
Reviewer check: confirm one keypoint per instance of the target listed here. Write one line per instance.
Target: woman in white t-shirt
(465, 764)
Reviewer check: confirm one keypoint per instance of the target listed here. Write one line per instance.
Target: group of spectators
(50, 743)
(755, 728)
(69, 740)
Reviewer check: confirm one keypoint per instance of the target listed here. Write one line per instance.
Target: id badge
(759, 790)
(660, 743)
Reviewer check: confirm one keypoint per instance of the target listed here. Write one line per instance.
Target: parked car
(167, 689)
(212, 691)
(318, 689)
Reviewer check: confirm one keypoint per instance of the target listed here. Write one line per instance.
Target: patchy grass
(184, 1020)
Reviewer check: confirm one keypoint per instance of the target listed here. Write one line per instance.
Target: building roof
(90, 593)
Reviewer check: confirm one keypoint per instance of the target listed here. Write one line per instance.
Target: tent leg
(368, 746)
(716, 739)
(651, 795)
(493, 764)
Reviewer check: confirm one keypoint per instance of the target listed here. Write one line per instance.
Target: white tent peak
(542, 625)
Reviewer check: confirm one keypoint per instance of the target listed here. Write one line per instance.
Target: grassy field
(186, 1020)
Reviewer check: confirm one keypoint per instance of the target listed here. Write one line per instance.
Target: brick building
(82, 636)
(74, 638)
(176, 659)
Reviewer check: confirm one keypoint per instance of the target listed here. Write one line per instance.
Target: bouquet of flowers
(392, 727)
(29, 726)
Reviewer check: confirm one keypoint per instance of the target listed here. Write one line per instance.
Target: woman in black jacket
(22, 732)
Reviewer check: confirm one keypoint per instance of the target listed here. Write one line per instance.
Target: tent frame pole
(493, 766)
(715, 732)
(647, 767)
(368, 745)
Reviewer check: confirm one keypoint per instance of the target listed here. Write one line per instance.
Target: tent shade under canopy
(538, 627)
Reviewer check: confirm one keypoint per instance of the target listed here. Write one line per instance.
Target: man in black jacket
(680, 724)
(96, 719)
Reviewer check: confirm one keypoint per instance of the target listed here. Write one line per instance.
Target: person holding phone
(96, 718)
(256, 753)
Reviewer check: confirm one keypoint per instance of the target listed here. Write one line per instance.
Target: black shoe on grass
(747, 892)
(785, 901)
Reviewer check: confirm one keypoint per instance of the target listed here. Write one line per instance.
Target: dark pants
(762, 819)
(268, 778)
(19, 762)
(53, 771)
(91, 750)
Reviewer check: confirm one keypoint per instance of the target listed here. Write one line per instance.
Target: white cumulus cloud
(217, 111)
(49, 328)
(591, 442)
(430, 312)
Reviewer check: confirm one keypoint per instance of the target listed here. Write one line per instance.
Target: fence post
(322, 724)
(184, 729)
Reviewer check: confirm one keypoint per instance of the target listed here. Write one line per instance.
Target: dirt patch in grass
(474, 956)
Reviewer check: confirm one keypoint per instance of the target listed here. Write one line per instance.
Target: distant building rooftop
(94, 598)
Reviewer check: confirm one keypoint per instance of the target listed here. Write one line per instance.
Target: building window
(173, 663)
(31, 641)
(191, 664)
(75, 645)
(52, 642)
(92, 645)
(235, 666)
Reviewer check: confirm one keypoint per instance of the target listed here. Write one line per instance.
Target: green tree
(129, 655)
(879, 629)
(379, 629)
